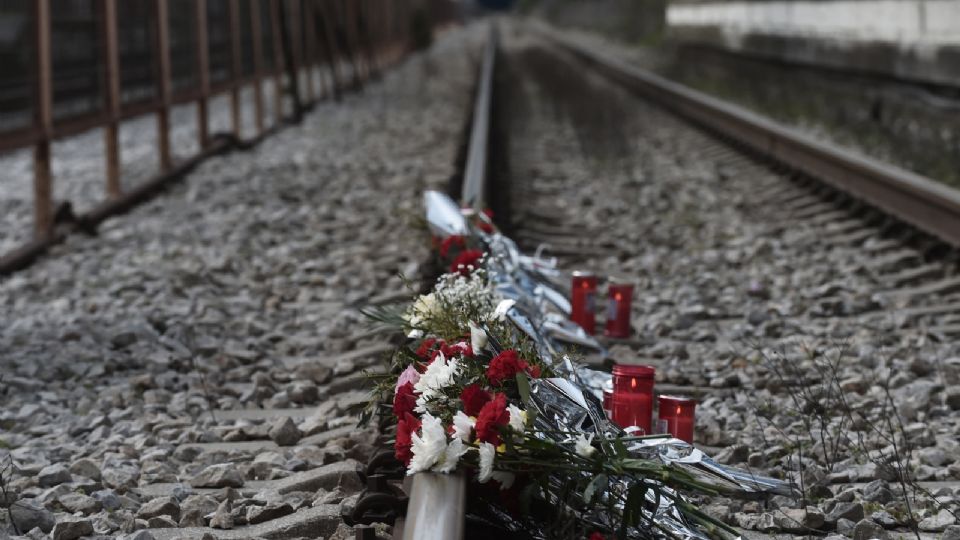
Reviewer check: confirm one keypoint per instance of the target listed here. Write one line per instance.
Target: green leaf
(632, 509)
(620, 448)
(523, 386)
(598, 484)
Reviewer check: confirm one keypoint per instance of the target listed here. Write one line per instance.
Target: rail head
(475, 172)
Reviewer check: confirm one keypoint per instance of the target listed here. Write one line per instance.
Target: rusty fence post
(162, 52)
(256, 34)
(203, 73)
(42, 180)
(310, 50)
(112, 129)
(277, 62)
(236, 68)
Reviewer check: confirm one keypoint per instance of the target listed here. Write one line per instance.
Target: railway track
(777, 278)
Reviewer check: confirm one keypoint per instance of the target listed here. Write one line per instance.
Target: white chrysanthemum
(518, 418)
(463, 426)
(438, 375)
(478, 339)
(583, 446)
(428, 447)
(451, 457)
(487, 453)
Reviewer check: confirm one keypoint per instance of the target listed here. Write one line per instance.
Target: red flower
(424, 347)
(406, 427)
(449, 242)
(474, 398)
(465, 259)
(488, 212)
(404, 400)
(505, 366)
(597, 536)
(485, 227)
(534, 371)
(423, 351)
(493, 415)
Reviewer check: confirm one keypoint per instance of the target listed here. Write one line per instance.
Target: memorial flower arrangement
(459, 392)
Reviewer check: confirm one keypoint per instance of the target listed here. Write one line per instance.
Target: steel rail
(437, 503)
(475, 173)
(917, 200)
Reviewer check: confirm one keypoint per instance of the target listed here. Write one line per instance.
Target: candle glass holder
(619, 300)
(632, 400)
(677, 416)
(583, 292)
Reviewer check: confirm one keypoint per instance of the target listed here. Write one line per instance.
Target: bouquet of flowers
(475, 389)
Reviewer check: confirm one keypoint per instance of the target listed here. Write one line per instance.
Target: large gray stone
(218, 476)
(27, 515)
(53, 475)
(161, 506)
(71, 529)
(284, 432)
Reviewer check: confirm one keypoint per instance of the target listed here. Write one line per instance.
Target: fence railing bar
(42, 179)
(112, 129)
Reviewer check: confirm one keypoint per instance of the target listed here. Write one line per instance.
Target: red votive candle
(583, 294)
(619, 298)
(677, 415)
(633, 396)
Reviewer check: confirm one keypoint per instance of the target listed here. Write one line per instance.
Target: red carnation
(505, 366)
(597, 536)
(534, 371)
(488, 212)
(466, 259)
(450, 242)
(485, 227)
(493, 415)
(423, 351)
(406, 427)
(404, 400)
(474, 398)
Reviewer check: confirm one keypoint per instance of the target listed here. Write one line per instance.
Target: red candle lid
(644, 372)
(675, 401)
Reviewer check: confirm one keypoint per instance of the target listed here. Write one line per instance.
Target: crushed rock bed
(138, 365)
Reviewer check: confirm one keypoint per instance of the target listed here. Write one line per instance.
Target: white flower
(450, 458)
(518, 418)
(438, 375)
(431, 451)
(423, 308)
(487, 453)
(478, 339)
(428, 447)
(462, 426)
(583, 446)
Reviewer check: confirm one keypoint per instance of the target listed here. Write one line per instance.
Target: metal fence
(68, 66)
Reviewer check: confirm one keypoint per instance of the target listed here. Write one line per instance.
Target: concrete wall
(638, 21)
(912, 39)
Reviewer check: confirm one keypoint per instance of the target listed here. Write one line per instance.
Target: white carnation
(438, 375)
(463, 426)
(505, 478)
(583, 446)
(518, 418)
(487, 453)
(451, 457)
(425, 307)
(428, 447)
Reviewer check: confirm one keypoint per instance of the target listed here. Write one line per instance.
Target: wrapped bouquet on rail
(490, 384)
